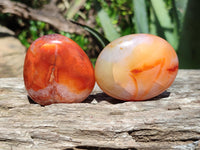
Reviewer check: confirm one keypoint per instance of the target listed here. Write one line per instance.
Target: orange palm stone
(136, 67)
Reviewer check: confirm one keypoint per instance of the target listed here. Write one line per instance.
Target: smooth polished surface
(136, 67)
(57, 70)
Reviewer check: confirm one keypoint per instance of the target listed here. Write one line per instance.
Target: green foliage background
(177, 21)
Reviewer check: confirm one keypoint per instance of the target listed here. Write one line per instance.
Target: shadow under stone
(162, 95)
(103, 97)
(100, 97)
(30, 100)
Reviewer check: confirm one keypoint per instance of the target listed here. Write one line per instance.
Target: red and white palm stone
(57, 70)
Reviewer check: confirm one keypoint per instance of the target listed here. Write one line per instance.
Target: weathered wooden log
(169, 121)
(49, 14)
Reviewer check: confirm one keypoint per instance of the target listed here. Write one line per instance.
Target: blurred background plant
(177, 21)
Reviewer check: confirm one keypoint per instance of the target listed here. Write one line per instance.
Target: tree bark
(49, 14)
(168, 121)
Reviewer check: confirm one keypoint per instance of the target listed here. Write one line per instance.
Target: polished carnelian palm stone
(136, 67)
(57, 70)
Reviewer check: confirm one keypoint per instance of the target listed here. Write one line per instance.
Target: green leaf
(164, 20)
(180, 7)
(22, 37)
(152, 23)
(100, 38)
(189, 46)
(140, 17)
(108, 28)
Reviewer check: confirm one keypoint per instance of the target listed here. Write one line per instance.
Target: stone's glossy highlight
(57, 70)
(136, 67)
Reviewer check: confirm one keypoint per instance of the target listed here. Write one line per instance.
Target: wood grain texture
(49, 14)
(169, 121)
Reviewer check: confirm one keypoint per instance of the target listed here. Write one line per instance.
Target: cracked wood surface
(169, 121)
